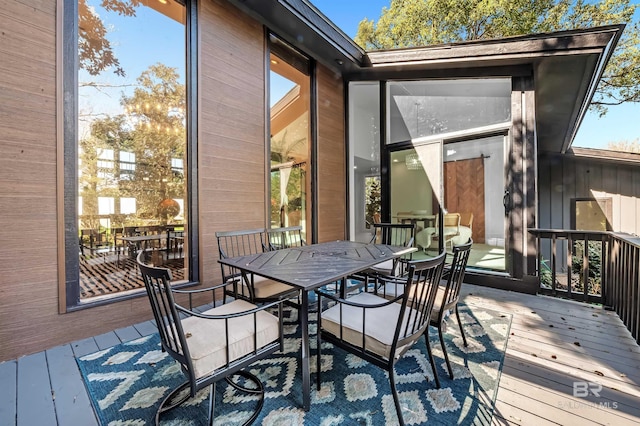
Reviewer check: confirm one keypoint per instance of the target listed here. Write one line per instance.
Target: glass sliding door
(474, 182)
(289, 96)
(416, 191)
(446, 142)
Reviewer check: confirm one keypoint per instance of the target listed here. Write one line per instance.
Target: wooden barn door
(464, 192)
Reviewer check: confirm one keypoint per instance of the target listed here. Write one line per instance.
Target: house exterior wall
(563, 178)
(231, 165)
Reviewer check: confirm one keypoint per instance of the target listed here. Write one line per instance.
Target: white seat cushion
(206, 337)
(380, 323)
(266, 288)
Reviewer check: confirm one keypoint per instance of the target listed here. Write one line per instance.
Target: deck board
(127, 333)
(542, 362)
(72, 403)
(107, 340)
(535, 388)
(34, 398)
(84, 347)
(8, 377)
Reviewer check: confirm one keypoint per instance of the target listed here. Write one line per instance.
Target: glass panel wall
(364, 161)
(289, 96)
(131, 152)
(447, 143)
(421, 109)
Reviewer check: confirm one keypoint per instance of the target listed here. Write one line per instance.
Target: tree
(625, 146)
(95, 53)
(410, 23)
(153, 131)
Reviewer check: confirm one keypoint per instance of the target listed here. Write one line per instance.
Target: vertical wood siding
(332, 184)
(232, 162)
(570, 177)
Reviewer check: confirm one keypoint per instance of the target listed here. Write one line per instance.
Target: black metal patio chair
(378, 330)
(216, 344)
(447, 297)
(254, 289)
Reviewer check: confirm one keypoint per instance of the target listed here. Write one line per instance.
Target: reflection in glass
(364, 161)
(289, 84)
(435, 107)
(132, 142)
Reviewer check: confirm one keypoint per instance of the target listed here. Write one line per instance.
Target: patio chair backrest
(395, 234)
(423, 279)
(280, 238)
(239, 243)
(455, 274)
(157, 282)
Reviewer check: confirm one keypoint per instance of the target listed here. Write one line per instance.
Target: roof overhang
(567, 65)
(302, 25)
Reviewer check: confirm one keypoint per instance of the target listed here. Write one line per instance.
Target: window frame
(68, 244)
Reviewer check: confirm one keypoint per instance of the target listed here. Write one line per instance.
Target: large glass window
(131, 141)
(364, 161)
(290, 147)
(422, 109)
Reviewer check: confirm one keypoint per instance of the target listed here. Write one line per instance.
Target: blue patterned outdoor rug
(127, 382)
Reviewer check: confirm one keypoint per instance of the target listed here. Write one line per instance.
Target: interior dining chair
(254, 288)
(216, 344)
(378, 330)
(449, 295)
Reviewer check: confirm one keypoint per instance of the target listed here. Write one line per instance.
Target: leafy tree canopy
(411, 23)
(94, 49)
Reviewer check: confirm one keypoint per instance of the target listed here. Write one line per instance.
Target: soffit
(566, 65)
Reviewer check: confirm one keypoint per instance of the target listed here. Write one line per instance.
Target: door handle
(506, 201)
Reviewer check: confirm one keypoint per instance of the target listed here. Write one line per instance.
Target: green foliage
(94, 49)
(411, 23)
(153, 130)
(594, 260)
(372, 203)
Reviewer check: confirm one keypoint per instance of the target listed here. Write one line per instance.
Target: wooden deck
(553, 344)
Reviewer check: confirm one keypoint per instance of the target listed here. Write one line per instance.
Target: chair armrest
(266, 306)
(197, 291)
(356, 304)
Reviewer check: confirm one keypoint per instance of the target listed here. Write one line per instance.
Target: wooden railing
(592, 266)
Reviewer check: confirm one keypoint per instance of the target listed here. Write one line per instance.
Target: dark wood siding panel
(589, 178)
(331, 157)
(232, 121)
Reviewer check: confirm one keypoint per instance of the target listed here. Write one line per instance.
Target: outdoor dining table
(310, 267)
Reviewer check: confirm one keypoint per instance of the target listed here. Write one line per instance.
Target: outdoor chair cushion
(266, 288)
(380, 323)
(206, 338)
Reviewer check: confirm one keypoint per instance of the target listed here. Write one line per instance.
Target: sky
(622, 123)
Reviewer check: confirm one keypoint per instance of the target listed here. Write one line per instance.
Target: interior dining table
(310, 267)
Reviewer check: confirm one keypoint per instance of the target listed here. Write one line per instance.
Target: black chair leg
(464, 338)
(396, 400)
(319, 354)
(444, 350)
(212, 402)
(431, 360)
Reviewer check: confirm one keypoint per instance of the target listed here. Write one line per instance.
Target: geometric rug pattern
(127, 382)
